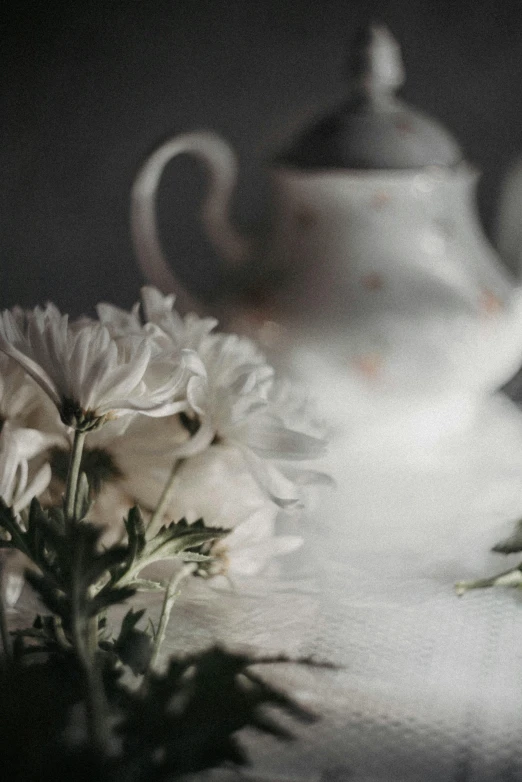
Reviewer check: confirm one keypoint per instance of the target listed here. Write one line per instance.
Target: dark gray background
(88, 89)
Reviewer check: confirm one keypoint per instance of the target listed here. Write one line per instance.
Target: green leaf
(45, 532)
(509, 578)
(176, 538)
(146, 585)
(53, 598)
(10, 523)
(87, 563)
(109, 597)
(104, 562)
(192, 556)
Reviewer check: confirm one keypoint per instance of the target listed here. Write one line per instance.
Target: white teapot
(376, 258)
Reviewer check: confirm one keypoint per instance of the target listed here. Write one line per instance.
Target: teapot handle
(221, 164)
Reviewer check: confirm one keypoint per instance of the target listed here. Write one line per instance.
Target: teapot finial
(373, 128)
(375, 65)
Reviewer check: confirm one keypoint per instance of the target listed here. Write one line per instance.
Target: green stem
(73, 474)
(171, 593)
(508, 578)
(157, 516)
(85, 642)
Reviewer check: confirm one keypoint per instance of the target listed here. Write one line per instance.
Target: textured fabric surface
(429, 684)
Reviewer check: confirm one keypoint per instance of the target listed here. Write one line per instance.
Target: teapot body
(391, 269)
(375, 262)
(387, 271)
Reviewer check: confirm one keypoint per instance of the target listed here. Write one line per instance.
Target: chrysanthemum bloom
(90, 375)
(24, 405)
(19, 483)
(232, 396)
(160, 319)
(218, 486)
(250, 547)
(22, 477)
(229, 394)
(235, 443)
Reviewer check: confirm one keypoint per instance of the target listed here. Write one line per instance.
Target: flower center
(84, 420)
(190, 423)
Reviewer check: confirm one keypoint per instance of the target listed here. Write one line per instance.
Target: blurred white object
(375, 250)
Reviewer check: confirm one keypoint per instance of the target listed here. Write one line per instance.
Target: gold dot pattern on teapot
(370, 365)
(404, 126)
(373, 281)
(380, 199)
(490, 304)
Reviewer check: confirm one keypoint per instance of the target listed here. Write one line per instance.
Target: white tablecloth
(430, 685)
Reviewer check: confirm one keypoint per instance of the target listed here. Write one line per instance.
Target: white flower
(251, 545)
(233, 399)
(22, 477)
(90, 375)
(234, 444)
(18, 483)
(187, 332)
(162, 322)
(21, 400)
(216, 485)
(231, 394)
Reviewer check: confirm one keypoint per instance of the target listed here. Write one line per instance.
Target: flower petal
(33, 369)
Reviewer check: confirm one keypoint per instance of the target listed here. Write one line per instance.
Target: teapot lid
(374, 129)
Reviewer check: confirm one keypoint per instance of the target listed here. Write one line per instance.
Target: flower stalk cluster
(132, 438)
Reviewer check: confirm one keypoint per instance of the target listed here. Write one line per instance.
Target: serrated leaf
(192, 556)
(10, 523)
(104, 562)
(52, 597)
(172, 540)
(109, 597)
(41, 524)
(87, 563)
(146, 585)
